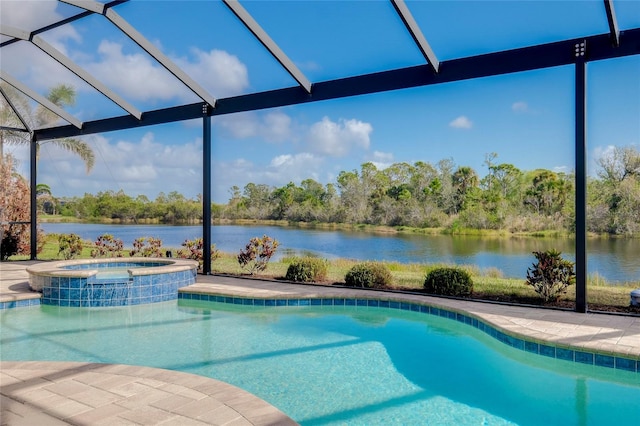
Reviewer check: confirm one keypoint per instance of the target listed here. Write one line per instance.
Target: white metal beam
(71, 66)
(10, 31)
(416, 33)
(146, 45)
(15, 111)
(90, 5)
(613, 22)
(77, 70)
(267, 42)
(41, 99)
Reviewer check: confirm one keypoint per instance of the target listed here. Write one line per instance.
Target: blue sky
(525, 118)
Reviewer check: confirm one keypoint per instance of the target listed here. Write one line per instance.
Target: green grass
(489, 283)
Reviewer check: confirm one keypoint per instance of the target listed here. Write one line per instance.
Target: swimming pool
(335, 364)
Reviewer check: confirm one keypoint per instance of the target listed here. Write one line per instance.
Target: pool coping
(61, 393)
(57, 268)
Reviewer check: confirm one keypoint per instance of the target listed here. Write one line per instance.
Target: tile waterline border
(548, 349)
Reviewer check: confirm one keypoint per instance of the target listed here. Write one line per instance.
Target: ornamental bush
(448, 282)
(69, 246)
(194, 249)
(257, 253)
(307, 269)
(107, 246)
(368, 275)
(146, 247)
(9, 246)
(15, 213)
(550, 275)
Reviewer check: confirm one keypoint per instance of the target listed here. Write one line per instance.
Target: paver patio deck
(40, 390)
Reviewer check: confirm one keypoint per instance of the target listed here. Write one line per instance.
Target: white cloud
(138, 167)
(146, 166)
(279, 171)
(239, 126)
(281, 160)
(520, 106)
(28, 15)
(382, 160)
(135, 74)
(461, 122)
(142, 78)
(382, 156)
(277, 126)
(59, 36)
(26, 62)
(337, 139)
(601, 152)
(219, 72)
(309, 66)
(273, 126)
(294, 168)
(324, 137)
(597, 154)
(36, 69)
(292, 161)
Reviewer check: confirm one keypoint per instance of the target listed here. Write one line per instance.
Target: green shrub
(257, 253)
(307, 269)
(448, 282)
(368, 275)
(69, 246)
(551, 275)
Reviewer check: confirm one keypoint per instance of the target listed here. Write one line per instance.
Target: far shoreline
(366, 228)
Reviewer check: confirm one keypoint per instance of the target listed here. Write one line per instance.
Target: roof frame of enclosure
(604, 46)
(577, 52)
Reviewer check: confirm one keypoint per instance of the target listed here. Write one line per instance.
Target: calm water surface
(617, 260)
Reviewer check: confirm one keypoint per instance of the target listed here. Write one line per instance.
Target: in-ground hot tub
(111, 282)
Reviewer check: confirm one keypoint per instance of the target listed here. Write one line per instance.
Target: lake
(617, 260)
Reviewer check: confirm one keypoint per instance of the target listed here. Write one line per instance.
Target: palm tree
(61, 95)
(45, 198)
(464, 180)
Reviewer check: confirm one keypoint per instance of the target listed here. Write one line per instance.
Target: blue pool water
(330, 365)
(113, 270)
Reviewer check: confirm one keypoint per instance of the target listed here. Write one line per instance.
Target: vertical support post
(581, 176)
(206, 191)
(33, 206)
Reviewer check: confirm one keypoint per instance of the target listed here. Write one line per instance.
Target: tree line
(172, 208)
(423, 195)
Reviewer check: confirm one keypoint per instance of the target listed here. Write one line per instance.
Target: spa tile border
(21, 303)
(566, 353)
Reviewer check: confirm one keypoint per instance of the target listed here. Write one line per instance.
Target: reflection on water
(614, 259)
